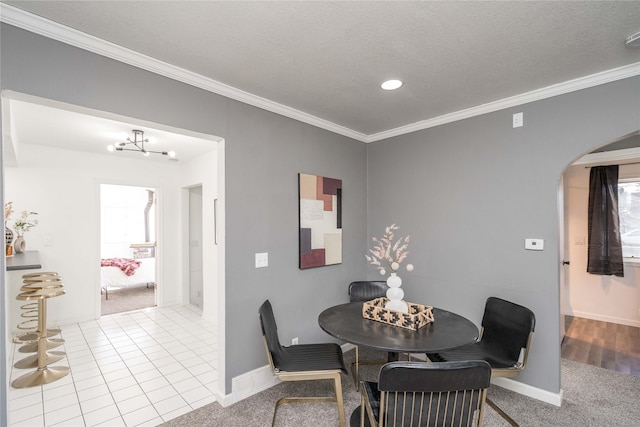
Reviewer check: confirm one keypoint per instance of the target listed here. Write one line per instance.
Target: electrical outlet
(294, 341)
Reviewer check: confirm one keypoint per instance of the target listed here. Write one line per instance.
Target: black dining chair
(504, 342)
(365, 290)
(302, 362)
(418, 394)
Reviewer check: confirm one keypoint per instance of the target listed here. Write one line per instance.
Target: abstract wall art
(320, 212)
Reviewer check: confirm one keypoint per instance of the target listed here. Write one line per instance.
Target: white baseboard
(603, 318)
(529, 391)
(260, 379)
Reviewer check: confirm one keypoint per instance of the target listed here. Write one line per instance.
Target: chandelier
(137, 144)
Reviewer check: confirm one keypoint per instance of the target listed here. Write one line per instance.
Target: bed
(117, 273)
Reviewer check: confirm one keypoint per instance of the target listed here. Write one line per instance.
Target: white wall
(64, 188)
(607, 298)
(202, 171)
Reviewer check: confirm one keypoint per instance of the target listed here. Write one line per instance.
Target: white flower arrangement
(387, 254)
(25, 223)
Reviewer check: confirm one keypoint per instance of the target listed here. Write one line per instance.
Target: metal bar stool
(40, 289)
(31, 311)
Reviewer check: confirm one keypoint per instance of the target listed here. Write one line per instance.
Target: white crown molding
(44, 27)
(597, 79)
(27, 21)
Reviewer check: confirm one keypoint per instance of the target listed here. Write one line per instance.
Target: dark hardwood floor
(607, 345)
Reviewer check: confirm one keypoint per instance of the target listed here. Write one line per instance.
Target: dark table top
(24, 261)
(447, 331)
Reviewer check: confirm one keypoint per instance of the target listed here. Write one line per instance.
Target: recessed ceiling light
(391, 84)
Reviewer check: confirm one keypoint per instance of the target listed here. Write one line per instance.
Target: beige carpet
(593, 397)
(128, 298)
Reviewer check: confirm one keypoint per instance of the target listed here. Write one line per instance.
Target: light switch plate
(534, 244)
(518, 120)
(262, 260)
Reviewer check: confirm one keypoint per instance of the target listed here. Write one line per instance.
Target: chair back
(433, 394)
(270, 334)
(507, 329)
(365, 290)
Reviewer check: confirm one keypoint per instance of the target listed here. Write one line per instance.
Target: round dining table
(447, 331)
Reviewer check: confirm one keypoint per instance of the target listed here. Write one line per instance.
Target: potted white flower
(23, 224)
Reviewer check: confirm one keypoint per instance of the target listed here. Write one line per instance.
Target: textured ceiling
(327, 59)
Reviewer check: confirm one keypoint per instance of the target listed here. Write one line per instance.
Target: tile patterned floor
(130, 369)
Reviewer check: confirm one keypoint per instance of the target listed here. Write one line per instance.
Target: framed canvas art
(320, 213)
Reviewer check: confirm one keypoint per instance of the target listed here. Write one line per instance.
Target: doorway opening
(128, 248)
(595, 305)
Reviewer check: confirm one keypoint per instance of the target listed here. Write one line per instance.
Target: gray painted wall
(264, 154)
(470, 192)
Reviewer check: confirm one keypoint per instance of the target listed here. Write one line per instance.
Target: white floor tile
(154, 384)
(86, 374)
(29, 400)
(140, 416)
(29, 422)
(103, 415)
(203, 402)
(96, 403)
(133, 403)
(73, 422)
(54, 404)
(151, 423)
(124, 372)
(62, 414)
(161, 394)
(171, 404)
(25, 413)
(176, 413)
(200, 369)
(52, 393)
(186, 385)
(117, 375)
(127, 393)
(196, 394)
(147, 375)
(178, 376)
(93, 392)
(89, 382)
(122, 383)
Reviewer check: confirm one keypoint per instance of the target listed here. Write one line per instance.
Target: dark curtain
(605, 246)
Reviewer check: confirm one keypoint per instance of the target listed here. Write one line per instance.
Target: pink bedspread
(127, 265)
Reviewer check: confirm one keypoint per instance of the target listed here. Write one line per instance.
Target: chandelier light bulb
(171, 154)
(111, 148)
(145, 153)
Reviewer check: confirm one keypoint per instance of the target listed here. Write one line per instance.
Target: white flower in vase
(389, 254)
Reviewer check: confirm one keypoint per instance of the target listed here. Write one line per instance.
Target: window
(629, 210)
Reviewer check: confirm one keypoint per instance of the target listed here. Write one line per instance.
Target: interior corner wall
(469, 193)
(606, 298)
(264, 152)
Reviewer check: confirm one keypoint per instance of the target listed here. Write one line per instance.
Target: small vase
(19, 245)
(8, 238)
(395, 294)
